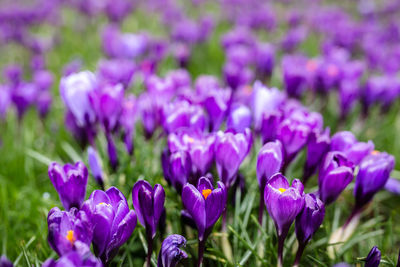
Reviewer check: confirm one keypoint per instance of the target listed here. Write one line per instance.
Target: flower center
(375, 152)
(70, 237)
(281, 190)
(206, 193)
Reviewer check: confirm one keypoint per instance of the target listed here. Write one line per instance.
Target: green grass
(26, 193)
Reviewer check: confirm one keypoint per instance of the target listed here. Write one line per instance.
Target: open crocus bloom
(69, 231)
(204, 204)
(283, 202)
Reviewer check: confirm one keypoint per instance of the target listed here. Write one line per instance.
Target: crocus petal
(194, 202)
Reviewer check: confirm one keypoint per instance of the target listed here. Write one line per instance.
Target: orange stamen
(206, 193)
(70, 237)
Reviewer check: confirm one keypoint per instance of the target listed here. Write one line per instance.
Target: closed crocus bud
(374, 258)
(239, 118)
(336, 172)
(310, 218)
(317, 146)
(69, 231)
(74, 259)
(70, 182)
(269, 126)
(170, 253)
(4, 262)
(269, 162)
(216, 103)
(95, 166)
(113, 221)
(295, 75)
(308, 222)
(230, 151)
(284, 203)
(347, 143)
(75, 90)
(294, 136)
(265, 60)
(149, 205)
(177, 168)
(372, 176)
(205, 205)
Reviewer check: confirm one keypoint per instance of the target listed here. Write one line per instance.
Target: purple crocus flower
(269, 125)
(177, 168)
(107, 104)
(74, 259)
(4, 262)
(347, 143)
(294, 136)
(70, 182)
(264, 101)
(269, 162)
(335, 173)
(117, 10)
(308, 222)
(116, 71)
(205, 205)
(182, 114)
(236, 75)
(149, 205)
(69, 231)
(230, 151)
(113, 222)
(5, 100)
(216, 103)
(317, 146)
(374, 258)
(170, 252)
(372, 176)
(264, 60)
(127, 120)
(200, 148)
(23, 96)
(295, 74)
(239, 118)
(75, 90)
(95, 166)
(284, 203)
(393, 185)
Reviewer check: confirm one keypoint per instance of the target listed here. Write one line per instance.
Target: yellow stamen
(281, 190)
(206, 193)
(70, 237)
(375, 152)
(190, 139)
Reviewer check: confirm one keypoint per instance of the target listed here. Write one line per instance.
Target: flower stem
(149, 248)
(299, 253)
(202, 245)
(280, 251)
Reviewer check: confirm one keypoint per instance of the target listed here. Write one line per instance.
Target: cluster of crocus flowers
(22, 94)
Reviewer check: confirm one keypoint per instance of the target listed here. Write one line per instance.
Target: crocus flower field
(199, 133)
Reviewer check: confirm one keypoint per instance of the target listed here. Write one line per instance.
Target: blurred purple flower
(70, 182)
